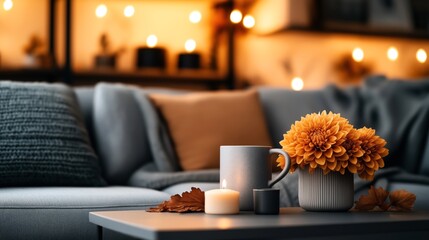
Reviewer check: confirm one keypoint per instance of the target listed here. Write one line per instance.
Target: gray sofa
(139, 164)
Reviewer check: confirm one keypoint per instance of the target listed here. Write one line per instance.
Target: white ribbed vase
(330, 192)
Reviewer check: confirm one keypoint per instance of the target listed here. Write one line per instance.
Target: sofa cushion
(199, 123)
(120, 132)
(43, 140)
(128, 131)
(62, 212)
(282, 107)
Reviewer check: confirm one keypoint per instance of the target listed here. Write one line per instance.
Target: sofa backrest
(398, 110)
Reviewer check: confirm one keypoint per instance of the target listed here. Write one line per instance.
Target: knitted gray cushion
(43, 141)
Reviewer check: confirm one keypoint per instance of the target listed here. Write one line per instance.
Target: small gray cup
(249, 167)
(266, 201)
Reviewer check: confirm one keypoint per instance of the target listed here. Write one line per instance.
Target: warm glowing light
(392, 54)
(190, 45)
(421, 55)
(248, 21)
(151, 41)
(101, 11)
(223, 184)
(195, 17)
(236, 16)
(358, 54)
(7, 5)
(129, 11)
(297, 84)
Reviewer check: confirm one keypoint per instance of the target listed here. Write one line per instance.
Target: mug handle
(285, 170)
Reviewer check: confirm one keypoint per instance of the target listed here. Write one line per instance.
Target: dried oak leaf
(189, 202)
(375, 197)
(401, 200)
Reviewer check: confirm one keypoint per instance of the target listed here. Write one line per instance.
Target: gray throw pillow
(119, 131)
(43, 141)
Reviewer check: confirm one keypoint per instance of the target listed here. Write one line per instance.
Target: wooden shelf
(203, 78)
(28, 74)
(210, 79)
(356, 30)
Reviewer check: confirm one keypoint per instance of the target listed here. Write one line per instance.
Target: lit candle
(221, 201)
(151, 56)
(190, 59)
(358, 54)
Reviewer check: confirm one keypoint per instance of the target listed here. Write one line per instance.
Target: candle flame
(151, 41)
(358, 54)
(421, 55)
(190, 45)
(224, 184)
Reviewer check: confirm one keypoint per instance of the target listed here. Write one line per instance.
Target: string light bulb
(249, 21)
(101, 11)
(195, 17)
(235, 16)
(190, 45)
(392, 54)
(421, 55)
(7, 5)
(358, 54)
(297, 84)
(129, 11)
(151, 41)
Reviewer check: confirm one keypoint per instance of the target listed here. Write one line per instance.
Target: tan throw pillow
(199, 123)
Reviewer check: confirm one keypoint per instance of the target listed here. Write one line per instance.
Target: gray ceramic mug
(249, 167)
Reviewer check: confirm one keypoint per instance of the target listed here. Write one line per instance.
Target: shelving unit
(209, 79)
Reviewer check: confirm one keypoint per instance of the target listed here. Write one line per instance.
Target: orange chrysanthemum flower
(352, 144)
(374, 151)
(327, 141)
(316, 141)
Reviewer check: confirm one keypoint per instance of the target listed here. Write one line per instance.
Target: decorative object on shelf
(106, 59)
(35, 54)
(343, 13)
(151, 56)
(192, 201)
(376, 200)
(350, 70)
(391, 14)
(222, 201)
(328, 150)
(247, 167)
(266, 201)
(190, 59)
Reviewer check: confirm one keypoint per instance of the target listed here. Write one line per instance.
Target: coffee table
(292, 223)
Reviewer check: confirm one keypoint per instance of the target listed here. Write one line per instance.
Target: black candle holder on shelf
(189, 61)
(105, 61)
(151, 57)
